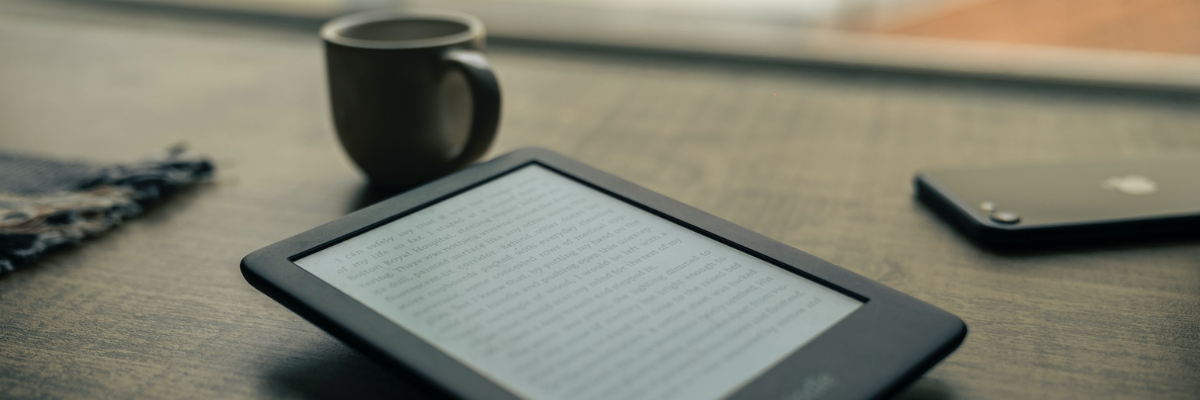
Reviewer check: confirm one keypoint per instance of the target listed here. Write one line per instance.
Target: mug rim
(331, 31)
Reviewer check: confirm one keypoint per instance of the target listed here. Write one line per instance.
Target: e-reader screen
(555, 290)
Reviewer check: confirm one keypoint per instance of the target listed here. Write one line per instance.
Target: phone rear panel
(1067, 201)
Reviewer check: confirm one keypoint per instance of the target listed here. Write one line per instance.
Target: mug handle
(485, 100)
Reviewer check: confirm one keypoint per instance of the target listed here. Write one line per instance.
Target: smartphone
(1069, 201)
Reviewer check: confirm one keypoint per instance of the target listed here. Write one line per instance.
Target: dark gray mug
(413, 96)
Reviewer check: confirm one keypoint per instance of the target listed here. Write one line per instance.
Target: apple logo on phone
(1130, 184)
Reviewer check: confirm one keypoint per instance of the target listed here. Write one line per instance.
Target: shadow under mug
(413, 97)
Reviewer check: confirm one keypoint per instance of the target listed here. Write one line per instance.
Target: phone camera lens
(1005, 217)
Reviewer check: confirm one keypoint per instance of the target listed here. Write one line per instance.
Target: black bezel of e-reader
(872, 353)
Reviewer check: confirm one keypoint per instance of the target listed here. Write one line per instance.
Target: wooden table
(818, 158)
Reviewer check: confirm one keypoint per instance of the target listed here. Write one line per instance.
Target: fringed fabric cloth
(47, 203)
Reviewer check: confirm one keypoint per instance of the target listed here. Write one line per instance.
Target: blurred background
(1140, 43)
(1169, 26)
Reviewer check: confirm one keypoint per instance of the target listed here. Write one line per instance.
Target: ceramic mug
(413, 97)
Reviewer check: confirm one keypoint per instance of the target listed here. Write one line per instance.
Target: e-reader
(533, 276)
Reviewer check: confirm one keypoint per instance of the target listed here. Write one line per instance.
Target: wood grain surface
(820, 159)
